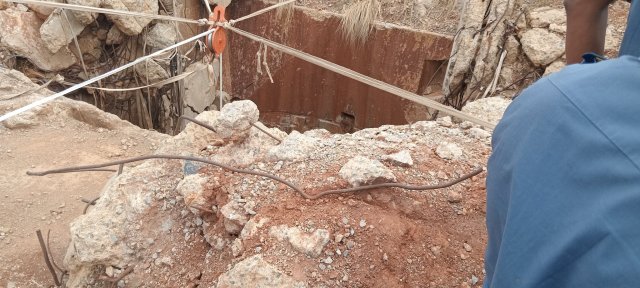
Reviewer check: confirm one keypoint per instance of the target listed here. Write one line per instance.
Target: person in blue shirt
(563, 180)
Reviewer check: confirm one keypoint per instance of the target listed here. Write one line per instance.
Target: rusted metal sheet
(412, 60)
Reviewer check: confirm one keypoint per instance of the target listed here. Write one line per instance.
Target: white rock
(362, 171)
(192, 188)
(542, 17)
(57, 32)
(294, 147)
(445, 121)
(251, 227)
(20, 34)
(234, 122)
(479, 133)
(234, 217)
(237, 247)
(161, 35)
(449, 151)
(131, 25)
(541, 46)
(489, 109)
(402, 158)
(311, 244)
(254, 272)
(554, 67)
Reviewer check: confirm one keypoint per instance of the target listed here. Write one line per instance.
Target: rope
(363, 78)
(200, 22)
(100, 77)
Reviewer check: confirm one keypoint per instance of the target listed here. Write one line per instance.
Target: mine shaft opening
(304, 96)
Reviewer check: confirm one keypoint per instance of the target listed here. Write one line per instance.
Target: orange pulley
(217, 40)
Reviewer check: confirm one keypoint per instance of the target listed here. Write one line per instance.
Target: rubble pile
(185, 224)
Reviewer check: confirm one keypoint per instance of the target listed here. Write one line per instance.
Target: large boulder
(59, 30)
(20, 34)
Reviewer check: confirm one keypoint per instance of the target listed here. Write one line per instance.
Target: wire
(74, 7)
(261, 174)
(100, 77)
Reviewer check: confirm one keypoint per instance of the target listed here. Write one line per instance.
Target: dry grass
(357, 23)
(284, 15)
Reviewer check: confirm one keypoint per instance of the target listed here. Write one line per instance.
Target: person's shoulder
(600, 86)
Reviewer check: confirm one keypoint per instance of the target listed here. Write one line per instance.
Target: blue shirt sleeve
(563, 182)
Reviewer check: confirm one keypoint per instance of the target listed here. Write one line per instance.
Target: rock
(90, 46)
(362, 171)
(114, 36)
(234, 122)
(150, 71)
(236, 247)
(454, 196)
(445, 121)
(449, 151)
(554, 67)
(192, 188)
(489, 109)
(234, 217)
(24, 120)
(311, 244)
(251, 227)
(541, 46)
(20, 34)
(294, 147)
(479, 133)
(197, 89)
(362, 223)
(255, 272)
(436, 250)
(131, 25)
(57, 32)
(560, 29)
(5, 4)
(467, 247)
(43, 11)
(351, 244)
(542, 17)
(161, 35)
(402, 158)
(85, 18)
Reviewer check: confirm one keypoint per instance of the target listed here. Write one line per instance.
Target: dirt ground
(51, 202)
